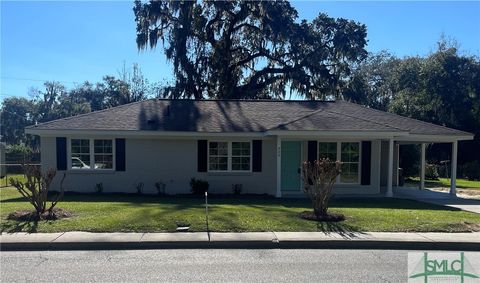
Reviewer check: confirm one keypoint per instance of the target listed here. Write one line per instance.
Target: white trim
(229, 157)
(397, 164)
(336, 134)
(422, 166)
(279, 167)
(432, 138)
(390, 169)
(92, 155)
(139, 134)
(398, 135)
(453, 164)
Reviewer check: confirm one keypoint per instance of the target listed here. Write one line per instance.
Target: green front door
(291, 154)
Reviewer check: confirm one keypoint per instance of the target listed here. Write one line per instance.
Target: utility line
(35, 80)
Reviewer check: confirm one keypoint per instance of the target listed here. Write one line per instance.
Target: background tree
(249, 49)
(372, 81)
(441, 88)
(16, 114)
(55, 101)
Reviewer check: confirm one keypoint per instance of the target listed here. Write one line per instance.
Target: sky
(77, 41)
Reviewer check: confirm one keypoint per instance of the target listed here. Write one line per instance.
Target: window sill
(90, 171)
(230, 173)
(346, 185)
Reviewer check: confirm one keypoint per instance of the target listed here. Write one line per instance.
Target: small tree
(36, 188)
(318, 179)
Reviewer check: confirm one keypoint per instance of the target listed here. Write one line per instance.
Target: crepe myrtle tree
(35, 189)
(319, 177)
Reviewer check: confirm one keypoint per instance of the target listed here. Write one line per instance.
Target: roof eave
(357, 133)
(419, 138)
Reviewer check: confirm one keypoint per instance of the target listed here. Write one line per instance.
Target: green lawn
(5, 181)
(444, 182)
(109, 213)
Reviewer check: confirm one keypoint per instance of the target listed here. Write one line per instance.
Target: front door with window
(291, 162)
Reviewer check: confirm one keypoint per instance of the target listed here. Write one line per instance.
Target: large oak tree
(249, 49)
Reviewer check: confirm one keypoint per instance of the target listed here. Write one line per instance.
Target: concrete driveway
(439, 198)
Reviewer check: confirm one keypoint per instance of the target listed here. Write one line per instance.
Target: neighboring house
(257, 143)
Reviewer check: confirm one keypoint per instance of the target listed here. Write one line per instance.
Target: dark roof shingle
(215, 116)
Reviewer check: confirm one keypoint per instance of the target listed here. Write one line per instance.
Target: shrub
(318, 179)
(98, 188)
(431, 172)
(471, 170)
(35, 189)
(237, 189)
(160, 188)
(199, 187)
(139, 187)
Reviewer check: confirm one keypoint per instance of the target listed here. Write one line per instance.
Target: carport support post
(422, 167)
(279, 168)
(390, 169)
(453, 164)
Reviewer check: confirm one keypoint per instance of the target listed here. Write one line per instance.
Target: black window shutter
(120, 155)
(257, 155)
(366, 162)
(312, 151)
(61, 153)
(202, 149)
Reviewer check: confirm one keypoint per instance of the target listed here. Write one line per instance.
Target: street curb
(324, 244)
(376, 245)
(77, 240)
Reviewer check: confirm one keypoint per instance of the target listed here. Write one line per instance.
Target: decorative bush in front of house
(36, 190)
(199, 187)
(318, 179)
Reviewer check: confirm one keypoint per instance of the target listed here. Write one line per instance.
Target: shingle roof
(214, 116)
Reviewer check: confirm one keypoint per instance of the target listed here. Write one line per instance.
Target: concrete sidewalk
(254, 240)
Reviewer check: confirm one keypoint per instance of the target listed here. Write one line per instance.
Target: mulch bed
(330, 217)
(29, 215)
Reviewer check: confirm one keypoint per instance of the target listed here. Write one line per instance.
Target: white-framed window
(327, 150)
(350, 163)
(225, 156)
(348, 153)
(218, 156)
(91, 154)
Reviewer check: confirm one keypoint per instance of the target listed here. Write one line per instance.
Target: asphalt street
(273, 265)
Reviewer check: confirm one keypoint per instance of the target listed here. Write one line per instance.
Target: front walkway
(437, 197)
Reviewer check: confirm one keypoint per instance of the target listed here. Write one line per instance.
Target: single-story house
(259, 144)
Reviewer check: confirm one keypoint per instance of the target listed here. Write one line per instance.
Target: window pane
(80, 161)
(218, 159)
(240, 148)
(103, 161)
(222, 148)
(213, 148)
(241, 163)
(349, 173)
(80, 146)
(218, 163)
(223, 163)
(350, 152)
(103, 146)
(80, 149)
(218, 148)
(327, 150)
